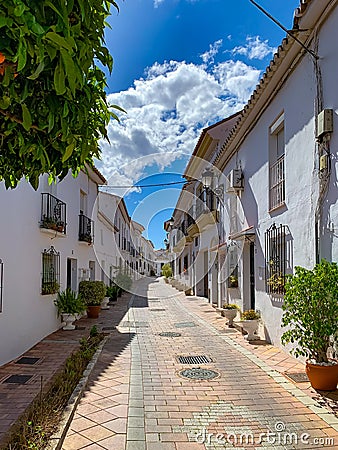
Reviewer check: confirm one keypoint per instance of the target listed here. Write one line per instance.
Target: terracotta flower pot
(324, 378)
(93, 311)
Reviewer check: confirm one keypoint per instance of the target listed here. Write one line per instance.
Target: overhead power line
(143, 185)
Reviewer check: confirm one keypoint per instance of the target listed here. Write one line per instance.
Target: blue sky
(179, 66)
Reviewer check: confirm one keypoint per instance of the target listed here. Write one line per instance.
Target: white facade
(27, 316)
(287, 213)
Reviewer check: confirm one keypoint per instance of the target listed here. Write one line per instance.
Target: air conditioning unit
(235, 180)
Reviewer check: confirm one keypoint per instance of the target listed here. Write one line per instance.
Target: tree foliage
(53, 107)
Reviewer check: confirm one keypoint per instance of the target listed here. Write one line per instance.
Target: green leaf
(59, 41)
(59, 79)
(70, 69)
(19, 9)
(21, 55)
(69, 151)
(26, 117)
(37, 72)
(5, 101)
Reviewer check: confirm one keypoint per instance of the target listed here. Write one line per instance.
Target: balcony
(86, 229)
(206, 212)
(53, 213)
(192, 228)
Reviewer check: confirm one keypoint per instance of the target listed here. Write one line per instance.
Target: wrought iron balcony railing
(53, 213)
(86, 229)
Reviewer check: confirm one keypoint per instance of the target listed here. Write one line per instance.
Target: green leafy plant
(167, 270)
(112, 292)
(123, 280)
(92, 292)
(49, 287)
(52, 94)
(231, 306)
(233, 281)
(250, 314)
(69, 302)
(311, 310)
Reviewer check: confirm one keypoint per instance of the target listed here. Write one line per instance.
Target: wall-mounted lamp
(207, 178)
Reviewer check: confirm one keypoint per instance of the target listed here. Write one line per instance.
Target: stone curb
(56, 440)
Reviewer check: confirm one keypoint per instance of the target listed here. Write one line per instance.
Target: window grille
(277, 183)
(86, 227)
(50, 271)
(1, 282)
(275, 254)
(53, 213)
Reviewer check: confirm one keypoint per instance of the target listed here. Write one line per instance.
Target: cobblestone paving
(136, 398)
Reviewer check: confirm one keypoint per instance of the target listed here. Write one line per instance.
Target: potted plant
(233, 281)
(93, 293)
(311, 315)
(112, 293)
(250, 322)
(69, 304)
(229, 311)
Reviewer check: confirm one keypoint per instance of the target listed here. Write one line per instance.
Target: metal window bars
(277, 183)
(275, 263)
(86, 229)
(53, 213)
(50, 282)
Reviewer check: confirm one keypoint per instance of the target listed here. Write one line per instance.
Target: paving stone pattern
(136, 399)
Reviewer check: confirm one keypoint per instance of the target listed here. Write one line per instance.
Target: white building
(276, 171)
(46, 244)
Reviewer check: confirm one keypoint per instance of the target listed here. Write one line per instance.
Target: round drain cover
(170, 334)
(197, 373)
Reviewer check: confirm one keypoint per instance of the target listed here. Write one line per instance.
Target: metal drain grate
(297, 377)
(18, 379)
(108, 328)
(170, 334)
(127, 324)
(157, 309)
(185, 324)
(27, 360)
(199, 359)
(196, 373)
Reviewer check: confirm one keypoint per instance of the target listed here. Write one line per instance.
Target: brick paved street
(136, 398)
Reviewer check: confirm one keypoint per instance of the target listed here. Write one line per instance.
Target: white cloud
(255, 48)
(166, 111)
(208, 57)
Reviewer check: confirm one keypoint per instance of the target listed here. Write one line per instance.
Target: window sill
(276, 208)
(53, 232)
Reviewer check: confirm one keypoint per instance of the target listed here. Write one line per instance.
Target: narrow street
(136, 399)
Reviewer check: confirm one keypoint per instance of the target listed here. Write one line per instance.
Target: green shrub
(92, 292)
(311, 310)
(167, 271)
(68, 302)
(250, 314)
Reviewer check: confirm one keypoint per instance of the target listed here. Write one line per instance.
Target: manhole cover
(197, 373)
(108, 328)
(170, 334)
(27, 360)
(185, 324)
(157, 309)
(298, 377)
(199, 359)
(18, 379)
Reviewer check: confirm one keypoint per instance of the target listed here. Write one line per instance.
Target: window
(92, 270)
(275, 263)
(50, 271)
(233, 266)
(83, 203)
(276, 158)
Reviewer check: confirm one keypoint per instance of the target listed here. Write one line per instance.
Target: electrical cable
(144, 185)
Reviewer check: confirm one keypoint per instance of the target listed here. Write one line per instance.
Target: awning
(243, 234)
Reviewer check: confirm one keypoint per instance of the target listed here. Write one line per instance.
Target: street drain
(18, 379)
(127, 324)
(108, 328)
(185, 324)
(197, 373)
(27, 360)
(297, 377)
(170, 334)
(199, 359)
(157, 309)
